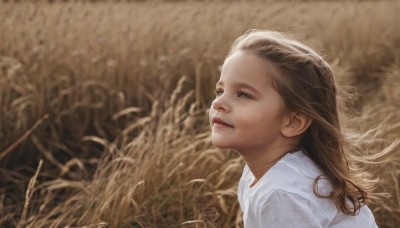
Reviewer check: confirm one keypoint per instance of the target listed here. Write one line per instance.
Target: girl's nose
(220, 104)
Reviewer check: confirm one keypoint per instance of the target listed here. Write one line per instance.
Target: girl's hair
(307, 85)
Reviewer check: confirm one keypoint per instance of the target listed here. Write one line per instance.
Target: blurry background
(103, 105)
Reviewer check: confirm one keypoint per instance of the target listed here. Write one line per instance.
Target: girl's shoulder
(293, 174)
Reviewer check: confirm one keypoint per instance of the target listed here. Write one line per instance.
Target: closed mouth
(216, 120)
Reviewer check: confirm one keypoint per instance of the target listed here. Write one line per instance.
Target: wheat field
(103, 106)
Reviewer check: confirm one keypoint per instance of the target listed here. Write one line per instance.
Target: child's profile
(276, 103)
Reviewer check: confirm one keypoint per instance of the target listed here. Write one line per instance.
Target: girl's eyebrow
(241, 85)
(246, 86)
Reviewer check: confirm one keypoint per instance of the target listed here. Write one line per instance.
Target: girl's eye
(218, 92)
(244, 95)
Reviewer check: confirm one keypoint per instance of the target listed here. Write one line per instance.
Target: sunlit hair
(306, 83)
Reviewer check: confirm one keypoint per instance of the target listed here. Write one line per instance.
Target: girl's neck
(260, 162)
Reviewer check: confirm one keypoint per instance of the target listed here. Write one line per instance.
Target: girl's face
(247, 113)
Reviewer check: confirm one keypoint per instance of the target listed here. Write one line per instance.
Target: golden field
(103, 119)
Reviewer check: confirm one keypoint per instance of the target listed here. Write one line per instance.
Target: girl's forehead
(243, 66)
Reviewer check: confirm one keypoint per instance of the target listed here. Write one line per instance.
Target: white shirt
(284, 197)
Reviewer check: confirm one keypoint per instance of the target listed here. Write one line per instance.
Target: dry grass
(113, 98)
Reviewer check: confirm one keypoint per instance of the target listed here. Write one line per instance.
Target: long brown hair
(306, 83)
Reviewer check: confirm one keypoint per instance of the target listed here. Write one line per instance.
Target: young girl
(276, 103)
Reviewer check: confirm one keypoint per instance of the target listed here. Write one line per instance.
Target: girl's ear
(296, 124)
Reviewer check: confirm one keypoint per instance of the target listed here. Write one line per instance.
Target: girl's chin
(221, 145)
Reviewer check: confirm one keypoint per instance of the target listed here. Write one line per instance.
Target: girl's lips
(218, 121)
